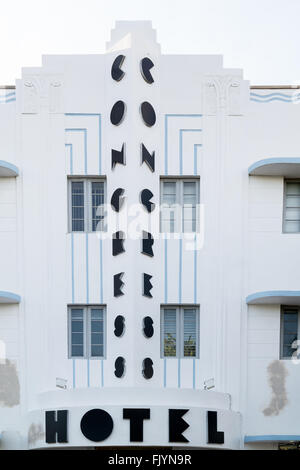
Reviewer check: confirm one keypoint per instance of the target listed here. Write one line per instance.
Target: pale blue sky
(260, 36)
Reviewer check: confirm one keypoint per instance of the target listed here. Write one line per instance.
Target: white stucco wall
(208, 127)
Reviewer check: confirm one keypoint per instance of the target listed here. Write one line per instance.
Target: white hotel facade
(148, 337)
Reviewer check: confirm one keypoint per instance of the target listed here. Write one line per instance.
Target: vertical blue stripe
(100, 144)
(77, 129)
(102, 373)
(101, 273)
(195, 270)
(166, 144)
(166, 270)
(166, 132)
(194, 373)
(180, 272)
(85, 150)
(87, 265)
(179, 373)
(88, 372)
(74, 374)
(180, 151)
(165, 372)
(72, 262)
(71, 157)
(181, 131)
(99, 136)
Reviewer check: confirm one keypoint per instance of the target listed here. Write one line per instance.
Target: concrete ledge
(9, 298)
(287, 167)
(286, 297)
(8, 169)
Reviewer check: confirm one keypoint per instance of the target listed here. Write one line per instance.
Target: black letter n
(56, 426)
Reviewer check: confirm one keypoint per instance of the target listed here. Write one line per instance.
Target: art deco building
(149, 247)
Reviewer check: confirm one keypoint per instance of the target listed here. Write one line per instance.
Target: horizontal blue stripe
(272, 437)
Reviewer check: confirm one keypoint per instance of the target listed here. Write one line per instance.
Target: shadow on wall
(277, 377)
(9, 384)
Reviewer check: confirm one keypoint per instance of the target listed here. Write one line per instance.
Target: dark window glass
(290, 332)
(77, 206)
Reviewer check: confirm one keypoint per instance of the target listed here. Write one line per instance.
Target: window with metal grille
(179, 200)
(291, 216)
(87, 332)
(289, 332)
(180, 331)
(86, 205)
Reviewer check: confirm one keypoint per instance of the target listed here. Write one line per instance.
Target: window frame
(180, 330)
(285, 182)
(180, 180)
(282, 312)
(86, 331)
(88, 207)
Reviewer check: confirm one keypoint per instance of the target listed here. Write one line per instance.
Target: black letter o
(96, 425)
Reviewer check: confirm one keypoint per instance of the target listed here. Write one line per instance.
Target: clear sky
(260, 36)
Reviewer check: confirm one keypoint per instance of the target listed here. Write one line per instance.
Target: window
(86, 332)
(289, 331)
(86, 203)
(179, 199)
(180, 331)
(291, 219)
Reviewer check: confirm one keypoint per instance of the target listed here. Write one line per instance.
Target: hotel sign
(151, 426)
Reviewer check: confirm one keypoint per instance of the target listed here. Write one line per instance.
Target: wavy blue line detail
(11, 100)
(7, 95)
(8, 98)
(285, 98)
(270, 95)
